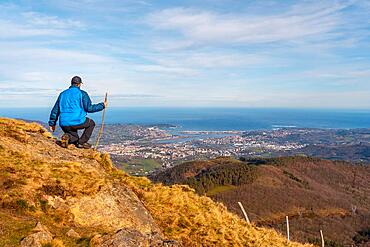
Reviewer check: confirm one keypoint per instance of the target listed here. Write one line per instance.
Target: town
(169, 146)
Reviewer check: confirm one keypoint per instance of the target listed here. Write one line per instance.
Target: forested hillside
(316, 194)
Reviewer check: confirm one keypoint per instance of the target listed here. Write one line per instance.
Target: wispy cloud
(18, 23)
(100, 6)
(14, 30)
(209, 59)
(30, 91)
(341, 75)
(204, 27)
(41, 20)
(172, 70)
(138, 96)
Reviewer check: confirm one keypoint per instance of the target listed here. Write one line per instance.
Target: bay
(217, 119)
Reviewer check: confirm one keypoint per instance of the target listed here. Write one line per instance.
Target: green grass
(140, 166)
(219, 189)
(13, 229)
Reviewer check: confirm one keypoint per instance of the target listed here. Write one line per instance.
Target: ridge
(77, 197)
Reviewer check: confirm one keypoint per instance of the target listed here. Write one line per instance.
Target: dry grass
(34, 169)
(57, 243)
(13, 228)
(193, 219)
(18, 129)
(315, 194)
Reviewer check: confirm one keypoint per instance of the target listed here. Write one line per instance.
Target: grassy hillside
(79, 190)
(316, 194)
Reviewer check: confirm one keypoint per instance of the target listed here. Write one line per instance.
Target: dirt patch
(54, 190)
(8, 184)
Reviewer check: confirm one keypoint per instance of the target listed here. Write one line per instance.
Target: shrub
(362, 236)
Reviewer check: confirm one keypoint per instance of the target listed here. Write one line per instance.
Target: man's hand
(52, 128)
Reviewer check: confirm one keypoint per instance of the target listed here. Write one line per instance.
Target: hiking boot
(85, 145)
(64, 141)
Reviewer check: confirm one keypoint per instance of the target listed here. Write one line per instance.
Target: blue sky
(312, 54)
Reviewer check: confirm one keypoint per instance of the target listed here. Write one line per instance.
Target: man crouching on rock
(71, 108)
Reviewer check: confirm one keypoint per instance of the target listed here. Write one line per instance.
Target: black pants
(88, 128)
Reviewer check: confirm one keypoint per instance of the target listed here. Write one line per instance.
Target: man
(71, 108)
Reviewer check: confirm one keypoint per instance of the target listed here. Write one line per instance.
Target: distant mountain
(359, 152)
(315, 194)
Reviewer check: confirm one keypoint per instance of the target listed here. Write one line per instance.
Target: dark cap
(76, 80)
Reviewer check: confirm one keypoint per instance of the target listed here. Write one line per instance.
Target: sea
(217, 119)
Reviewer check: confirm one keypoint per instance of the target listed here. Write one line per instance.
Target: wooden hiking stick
(102, 124)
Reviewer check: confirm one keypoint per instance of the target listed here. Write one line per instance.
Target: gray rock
(114, 207)
(39, 237)
(131, 238)
(73, 234)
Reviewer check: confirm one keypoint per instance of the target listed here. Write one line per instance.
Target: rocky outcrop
(38, 238)
(73, 234)
(113, 208)
(132, 238)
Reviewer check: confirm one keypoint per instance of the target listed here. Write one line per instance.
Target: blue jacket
(72, 107)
